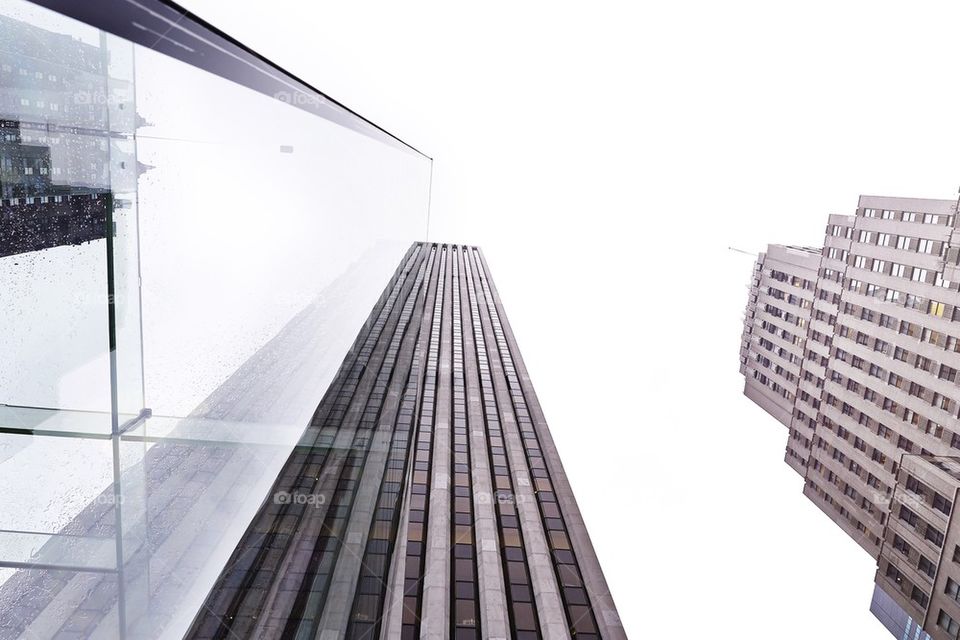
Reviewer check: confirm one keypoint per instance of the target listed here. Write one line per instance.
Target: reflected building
(66, 125)
(855, 348)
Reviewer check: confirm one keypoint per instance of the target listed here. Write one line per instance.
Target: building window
(901, 545)
(955, 441)
(934, 536)
(941, 504)
(919, 597)
(915, 486)
(953, 589)
(908, 516)
(948, 624)
(905, 444)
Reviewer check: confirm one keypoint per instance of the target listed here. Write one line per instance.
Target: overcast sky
(605, 156)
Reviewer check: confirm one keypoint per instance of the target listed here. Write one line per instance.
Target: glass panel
(55, 196)
(267, 234)
(181, 274)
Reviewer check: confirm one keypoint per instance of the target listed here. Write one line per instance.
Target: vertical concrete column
(553, 620)
(435, 619)
(490, 579)
(392, 626)
(339, 602)
(602, 602)
(393, 602)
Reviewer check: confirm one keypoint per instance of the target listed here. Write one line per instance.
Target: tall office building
(426, 499)
(855, 348)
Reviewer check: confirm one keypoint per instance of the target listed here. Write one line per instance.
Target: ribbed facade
(855, 347)
(426, 499)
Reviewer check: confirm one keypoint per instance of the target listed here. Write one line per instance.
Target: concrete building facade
(855, 348)
(426, 499)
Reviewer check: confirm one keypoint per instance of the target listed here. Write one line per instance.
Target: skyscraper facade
(855, 348)
(426, 499)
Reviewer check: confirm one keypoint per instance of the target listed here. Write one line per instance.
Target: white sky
(605, 156)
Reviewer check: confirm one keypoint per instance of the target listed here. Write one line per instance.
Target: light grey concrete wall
(435, 621)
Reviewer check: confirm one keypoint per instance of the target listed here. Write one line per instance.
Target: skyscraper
(426, 499)
(855, 348)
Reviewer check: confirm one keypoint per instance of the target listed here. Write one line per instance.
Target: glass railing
(190, 240)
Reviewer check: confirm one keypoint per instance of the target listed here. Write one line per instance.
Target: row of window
(465, 600)
(769, 327)
(905, 327)
(777, 369)
(789, 356)
(908, 216)
(524, 619)
(902, 242)
(790, 298)
(929, 495)
(936, 338)
(345, 470)
(795, 281)
(916, 594)
(374, 568)
(370, 593)
(40, 104)
(908, 300)
(418, 508)
(899, 270)
(39, 75)
(907, 415)
(933, 398)
(951, 589)
(921, 526)
(581, 620)
(841, 510)
(773, 385)
(863, 502)
(788, 318)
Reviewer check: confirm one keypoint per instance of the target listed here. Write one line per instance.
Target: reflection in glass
(184, 263)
